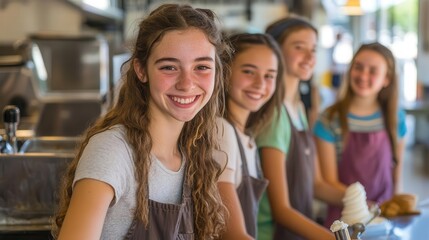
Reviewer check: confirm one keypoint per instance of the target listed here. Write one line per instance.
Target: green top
(276, 135)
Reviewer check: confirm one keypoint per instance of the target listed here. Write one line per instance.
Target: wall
(18, 18)
(423, 55)
(232, 16)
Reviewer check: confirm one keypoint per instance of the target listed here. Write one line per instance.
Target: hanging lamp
(352, 7)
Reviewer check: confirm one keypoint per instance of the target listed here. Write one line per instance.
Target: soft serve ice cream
(340, 230)
(355, 207)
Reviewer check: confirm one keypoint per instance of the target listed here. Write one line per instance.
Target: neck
(165, 133)
(363, 106)
(292, 89)
(238, 116)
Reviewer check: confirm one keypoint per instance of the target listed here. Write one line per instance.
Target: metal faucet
(11, 120)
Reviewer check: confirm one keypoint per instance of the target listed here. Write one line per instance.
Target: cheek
(291, 59)
(208, 83)
(271, 87)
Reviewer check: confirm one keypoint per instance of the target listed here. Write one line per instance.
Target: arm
(229, 158)
(328, 163)
(87, 210)
(236, 227)
(397, 172)
(273, 165)
(325, 191)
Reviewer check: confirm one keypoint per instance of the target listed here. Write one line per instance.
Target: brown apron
(250, 190)
(300, 175)
(166, 221)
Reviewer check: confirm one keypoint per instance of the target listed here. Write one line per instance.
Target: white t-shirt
(229, 146)
(109, 158)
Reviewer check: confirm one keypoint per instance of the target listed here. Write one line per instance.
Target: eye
(373, 71)
(168, 68)
(298, 47)
(270, 76)
(357, 67)
(248, 72)
(203, 67)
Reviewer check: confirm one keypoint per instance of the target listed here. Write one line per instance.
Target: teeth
(183, 100)
(254, 95)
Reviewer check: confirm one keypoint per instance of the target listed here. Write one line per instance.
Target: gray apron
(250, 190)
(367, 158)
(166, 221)
(300, 175)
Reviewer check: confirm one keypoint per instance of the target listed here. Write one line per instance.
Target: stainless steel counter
(413, 227)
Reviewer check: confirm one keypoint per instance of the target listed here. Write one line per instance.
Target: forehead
(305, 35)
(257, 54)
(187, 42)
(370, 57)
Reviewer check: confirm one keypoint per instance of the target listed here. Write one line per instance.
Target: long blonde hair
(197, 138)
(387, 97)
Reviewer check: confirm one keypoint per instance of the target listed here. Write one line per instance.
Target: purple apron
(250, 190)
(166, 221)
(367, 158)
(300, 175)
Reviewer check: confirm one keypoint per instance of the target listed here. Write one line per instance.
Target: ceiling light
(352, 7)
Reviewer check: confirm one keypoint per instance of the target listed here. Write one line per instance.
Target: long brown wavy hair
(387, 97)
(197, 138)
(259, 119)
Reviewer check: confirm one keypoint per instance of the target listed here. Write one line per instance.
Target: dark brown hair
(282, 28)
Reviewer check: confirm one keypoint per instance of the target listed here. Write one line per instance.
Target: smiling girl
(145, 170)
(360, 137)
(255, 91)
(288, 153)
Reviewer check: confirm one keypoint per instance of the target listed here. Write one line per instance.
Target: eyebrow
(167, 59)
(302, 42)
(253, 66)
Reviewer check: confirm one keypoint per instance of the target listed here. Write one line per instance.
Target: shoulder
(227, 152)
(227, 140)
(277, 133)
(108, 158)
(324, 127)
(225, 133)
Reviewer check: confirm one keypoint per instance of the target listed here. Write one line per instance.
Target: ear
(141, 74)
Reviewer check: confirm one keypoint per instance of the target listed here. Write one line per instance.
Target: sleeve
(228, 153)
(277, 133)
(402, 127)
(322, 130)
(106, 158)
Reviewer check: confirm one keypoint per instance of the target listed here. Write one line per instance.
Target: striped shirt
(330, 131)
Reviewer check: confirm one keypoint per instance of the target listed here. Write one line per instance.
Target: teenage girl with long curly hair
(145, 170)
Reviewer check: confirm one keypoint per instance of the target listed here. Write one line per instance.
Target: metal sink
(30, 180)
(29, 184)
(50, 145)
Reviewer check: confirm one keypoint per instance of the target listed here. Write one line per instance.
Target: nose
(259, 80)
(310, 55)
(185, 81)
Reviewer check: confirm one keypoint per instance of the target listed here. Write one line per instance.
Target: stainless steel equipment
(72, 73)
(60, 83)
(11, 120)
(29, 186)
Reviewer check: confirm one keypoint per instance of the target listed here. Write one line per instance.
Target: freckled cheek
(207, 84)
